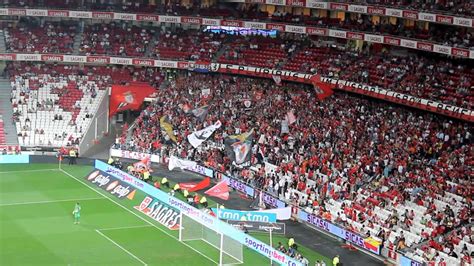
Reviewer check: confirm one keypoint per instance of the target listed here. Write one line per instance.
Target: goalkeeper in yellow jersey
(77, 213)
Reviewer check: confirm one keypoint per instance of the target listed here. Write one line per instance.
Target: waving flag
(168, 128)
(143, 165)
(290, 117)
(180, 163)
(220, 190)
(128, 97)
(239, 147)
(198, 137)
(201, 112)
(191, 187)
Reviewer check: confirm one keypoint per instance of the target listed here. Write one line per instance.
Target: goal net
(218, 247)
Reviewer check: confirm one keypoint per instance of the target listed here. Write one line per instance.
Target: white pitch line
(48, 201)
(140, 217)
(26, 171)
(122, 248)
(125, 227)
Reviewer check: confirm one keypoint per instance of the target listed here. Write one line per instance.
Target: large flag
(191, 187)
(201, 112)
(128, 97)
(220, 190)
(239, 147)
(179, 163)
(198, 137)
(165, 125)
(323, 89)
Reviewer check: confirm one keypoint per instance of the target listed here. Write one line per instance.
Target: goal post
(229, 251)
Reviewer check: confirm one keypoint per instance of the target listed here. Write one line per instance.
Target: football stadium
(237, 132)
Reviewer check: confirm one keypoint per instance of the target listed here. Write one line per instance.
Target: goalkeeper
(77, 213)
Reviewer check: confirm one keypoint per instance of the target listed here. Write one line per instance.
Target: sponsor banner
(317, 4)
(412, 101)
(28, 57)
(168, 64)
(37, 12)
(272, 201)
(316, 31)
(191, 20)
(355, 35)
(169, 19)
(80, 14)
(444, 19)
(295, 29)
(134, 155)
(392, 12)
(465, 22)
(374, 38)
(410, 14)
(338, 34)
(276, 2)
(238, 185)
(255, 25)
(110, 184)
(427, 17)
(275, 26)
(3, 11)
(232, 23)
(358, 9)
(200, 170)
(337, 6)
(102, 15)
(405, 261)
(120, 61)
(281, 213)
(442, 49)
(259, 227)
(12, 158)
(16, 12)
(460, 52)
(408, 43)
(376, 10)
(160, 212)
(211, 22)
(296, 3)
(125, 16)
(425, 46)
(355, 239)
(236, 215)
(209, 221)
(98, 59)
(58, 13)
(147, 17)
(8, 57)
(75, 59)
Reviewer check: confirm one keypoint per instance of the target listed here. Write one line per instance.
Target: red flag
(128, 97)
(220, 190)
(143, 165)
(323, 89)
(191, 187)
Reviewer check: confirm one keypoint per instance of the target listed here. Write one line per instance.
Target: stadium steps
(78, 38)
(3, 47)
(151, 46)
(6, 111)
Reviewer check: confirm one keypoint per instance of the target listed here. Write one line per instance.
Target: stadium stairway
(78, 38)
(7, 112)
(3, 47)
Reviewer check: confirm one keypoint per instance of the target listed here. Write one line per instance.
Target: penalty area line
(122, 248)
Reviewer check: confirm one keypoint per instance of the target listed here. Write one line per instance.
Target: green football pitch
(36, 225)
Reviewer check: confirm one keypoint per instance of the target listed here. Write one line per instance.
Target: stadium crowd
(426, 76)
(398, 175)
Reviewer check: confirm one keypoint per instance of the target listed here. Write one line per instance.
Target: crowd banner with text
(368, 244)
(238, 185)
(391, 96)
(237, 215)
(204, 218)
(175, 162)
(259, 227)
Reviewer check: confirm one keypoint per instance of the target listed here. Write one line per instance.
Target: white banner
(198, 137)
(281, 213)
(134, 155)
(180, 163)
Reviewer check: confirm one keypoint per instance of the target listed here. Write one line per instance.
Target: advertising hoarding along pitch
(110, 184)
(209, 221)
(236, 215)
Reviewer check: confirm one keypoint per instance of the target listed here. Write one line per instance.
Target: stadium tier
(305, 104)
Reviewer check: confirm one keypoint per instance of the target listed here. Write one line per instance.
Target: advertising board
(237, 215)
(12, 158)
(110, 184)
